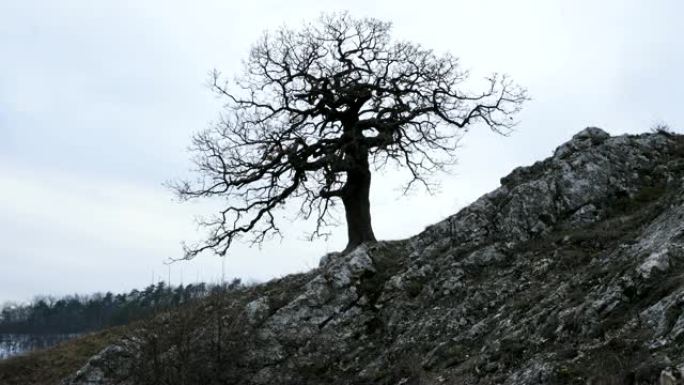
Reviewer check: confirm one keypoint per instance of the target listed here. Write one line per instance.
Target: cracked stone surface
(569, 273)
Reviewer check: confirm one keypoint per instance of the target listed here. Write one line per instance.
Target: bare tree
(316, 110)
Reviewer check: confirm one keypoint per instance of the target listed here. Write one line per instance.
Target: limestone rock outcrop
(571, 272)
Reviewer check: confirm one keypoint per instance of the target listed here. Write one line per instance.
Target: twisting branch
(316, 109)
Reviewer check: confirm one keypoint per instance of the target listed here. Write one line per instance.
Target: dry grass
(50, 366)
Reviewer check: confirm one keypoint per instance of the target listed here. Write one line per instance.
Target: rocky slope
(569, 273)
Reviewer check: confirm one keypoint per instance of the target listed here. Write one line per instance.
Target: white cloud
(98, 100)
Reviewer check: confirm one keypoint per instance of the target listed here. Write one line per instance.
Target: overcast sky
(98, 101)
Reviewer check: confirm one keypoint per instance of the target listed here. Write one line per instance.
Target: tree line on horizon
(86, 313)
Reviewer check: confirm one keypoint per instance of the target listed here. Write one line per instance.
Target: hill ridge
(570, 272)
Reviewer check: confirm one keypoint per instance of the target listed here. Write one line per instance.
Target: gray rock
(257, 310)
(113, 365)
(591, 133)
(570, 272)
(672, 376)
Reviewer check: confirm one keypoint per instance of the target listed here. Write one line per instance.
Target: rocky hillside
(569, 273)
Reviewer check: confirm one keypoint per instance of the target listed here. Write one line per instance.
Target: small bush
(661, 128)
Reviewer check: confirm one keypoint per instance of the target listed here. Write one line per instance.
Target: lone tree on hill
(316, 109)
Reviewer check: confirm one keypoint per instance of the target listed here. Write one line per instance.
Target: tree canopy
(316, 110)
(85, 313)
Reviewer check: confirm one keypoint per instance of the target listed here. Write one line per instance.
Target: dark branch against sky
(98, 101)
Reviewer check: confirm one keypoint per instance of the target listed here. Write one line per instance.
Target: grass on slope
(50, 366)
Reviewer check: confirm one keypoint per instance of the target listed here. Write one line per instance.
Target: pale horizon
(98, 102)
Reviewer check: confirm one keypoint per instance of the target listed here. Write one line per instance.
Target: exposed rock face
(111, 366)
(570, 272)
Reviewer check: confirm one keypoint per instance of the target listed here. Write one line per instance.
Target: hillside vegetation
(87, 313)
(569, 273)
(50, 366)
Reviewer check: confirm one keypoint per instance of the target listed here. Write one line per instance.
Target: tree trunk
(357, 208)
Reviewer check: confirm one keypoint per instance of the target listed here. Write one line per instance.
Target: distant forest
(80, 314)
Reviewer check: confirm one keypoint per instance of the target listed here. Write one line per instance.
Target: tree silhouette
(316, 110)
